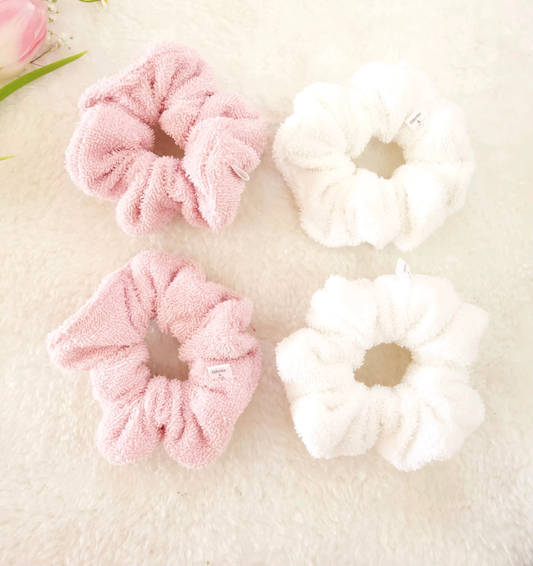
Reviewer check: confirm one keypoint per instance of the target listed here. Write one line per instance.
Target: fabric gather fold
(111, 154)
(345, 205)
(194, 418)
(424, 418)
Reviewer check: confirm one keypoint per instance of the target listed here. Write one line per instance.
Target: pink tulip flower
(22, 34)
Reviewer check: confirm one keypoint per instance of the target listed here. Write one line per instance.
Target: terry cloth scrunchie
(110, 154)
(429, 414)
(345, 205)
(194, 418)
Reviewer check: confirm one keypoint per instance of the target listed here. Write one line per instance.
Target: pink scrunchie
(194, 418)
(110, 154)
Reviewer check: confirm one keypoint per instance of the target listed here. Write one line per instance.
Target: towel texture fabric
(345, 205)
(110, 154)
(266, 501)
(194, 418)
(429, 414)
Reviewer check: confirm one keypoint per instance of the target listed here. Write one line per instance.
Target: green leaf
(11, 87)
(6, 157)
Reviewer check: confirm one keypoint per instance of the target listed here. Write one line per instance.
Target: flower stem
(42, 54)
(6, 157)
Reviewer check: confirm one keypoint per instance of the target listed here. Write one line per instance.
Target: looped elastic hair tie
(111, 152)
(429, 414)
(194, 418)
(345, 205)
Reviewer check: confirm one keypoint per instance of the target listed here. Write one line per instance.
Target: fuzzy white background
(266, 501)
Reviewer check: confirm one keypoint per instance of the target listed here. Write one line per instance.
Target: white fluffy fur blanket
(266, 501)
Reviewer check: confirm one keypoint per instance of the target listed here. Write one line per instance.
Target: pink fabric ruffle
(194, 418)
(110, 154)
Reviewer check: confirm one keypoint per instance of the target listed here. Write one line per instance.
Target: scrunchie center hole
(165, 145)
(381, 158)
(163, 349)
(384, 364)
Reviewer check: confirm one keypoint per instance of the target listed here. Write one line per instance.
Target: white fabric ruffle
(429, 414)
(342, 204)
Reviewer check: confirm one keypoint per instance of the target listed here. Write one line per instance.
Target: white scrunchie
(429, 414)
(342, 204)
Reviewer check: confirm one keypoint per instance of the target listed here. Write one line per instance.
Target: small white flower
(52, 8)
(104, 3)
